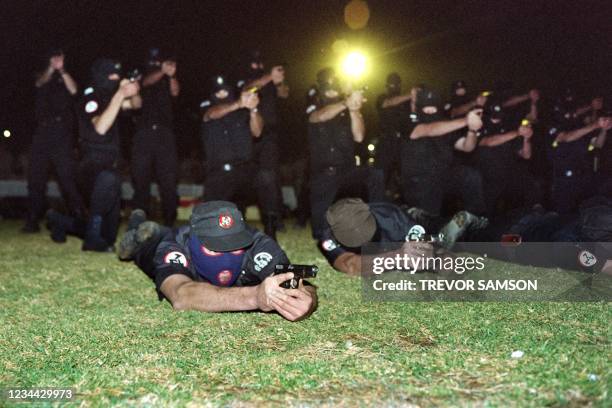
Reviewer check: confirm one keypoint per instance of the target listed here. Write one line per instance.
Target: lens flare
(354, 64)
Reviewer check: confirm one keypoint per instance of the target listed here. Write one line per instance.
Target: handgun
(431, 238)
(299, 272)
(133, 75)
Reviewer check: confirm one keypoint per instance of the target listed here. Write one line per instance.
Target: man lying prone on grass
(215, 264)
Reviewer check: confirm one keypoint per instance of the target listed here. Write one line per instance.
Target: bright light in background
(6, 133)
(354, 65)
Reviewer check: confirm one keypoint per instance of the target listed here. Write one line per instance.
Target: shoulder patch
(261, 259)
(329, 245)
(447, 106)
(204, 104)
(176, 257)
(586, 258)
(311, 109)
(91, 106)
(312, 92)
(88, 91)
(415, 233)
(240, 83)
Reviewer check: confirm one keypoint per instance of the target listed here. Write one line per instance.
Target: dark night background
(532, 43)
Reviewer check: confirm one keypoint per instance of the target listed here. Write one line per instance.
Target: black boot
(137, 217)
(58, 224)
(134, 239)
(93, 238)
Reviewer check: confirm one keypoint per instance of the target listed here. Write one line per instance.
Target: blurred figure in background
(52, 145)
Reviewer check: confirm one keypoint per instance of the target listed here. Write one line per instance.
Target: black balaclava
(459, 99)
(494, 110)
(394, 84)
(100, 71)
(219, 82)
(254, 57)
(327, 80)
(425, 98)
(565, 109)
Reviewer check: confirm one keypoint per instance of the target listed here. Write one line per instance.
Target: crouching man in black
(215, 264)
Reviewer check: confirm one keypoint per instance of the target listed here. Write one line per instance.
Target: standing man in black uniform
(53, 140)
(266, 153)
(154, 149)
(335, 124)
(394, 110)
(428, 169)
(230, 124)
(503, 151)
(572, 142)
(99, 137)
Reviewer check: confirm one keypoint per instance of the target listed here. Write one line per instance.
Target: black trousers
(47, 154)
(266, 156)
(239, 182)
(568, 192)
(388, 156)
(516, 186)
(427, 190)
(325, 185)
(101, 186)
(144, 257)
(154, 158)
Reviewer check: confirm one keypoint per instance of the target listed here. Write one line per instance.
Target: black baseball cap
(220, 226)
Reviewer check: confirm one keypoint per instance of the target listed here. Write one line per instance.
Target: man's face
(460, 91)
(430, 110)
(221, 94)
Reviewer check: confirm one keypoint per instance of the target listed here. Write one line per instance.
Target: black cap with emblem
(220, 226)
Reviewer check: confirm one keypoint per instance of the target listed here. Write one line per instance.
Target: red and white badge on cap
(226, 221)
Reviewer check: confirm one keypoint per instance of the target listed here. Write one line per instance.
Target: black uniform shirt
(54, 103)
(92, 104)
(570, 158)
(173, 257)
(501, 158)
(393, 120)
(156, 105)
(393, 225)
(331, 143)
(228, 140)
(427, 155)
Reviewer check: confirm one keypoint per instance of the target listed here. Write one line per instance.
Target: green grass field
(84, 320)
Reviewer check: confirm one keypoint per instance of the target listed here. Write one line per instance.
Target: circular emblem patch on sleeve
(262, 260)
(587, 259)
(91, 106)
(329, 245)
(176, 257)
